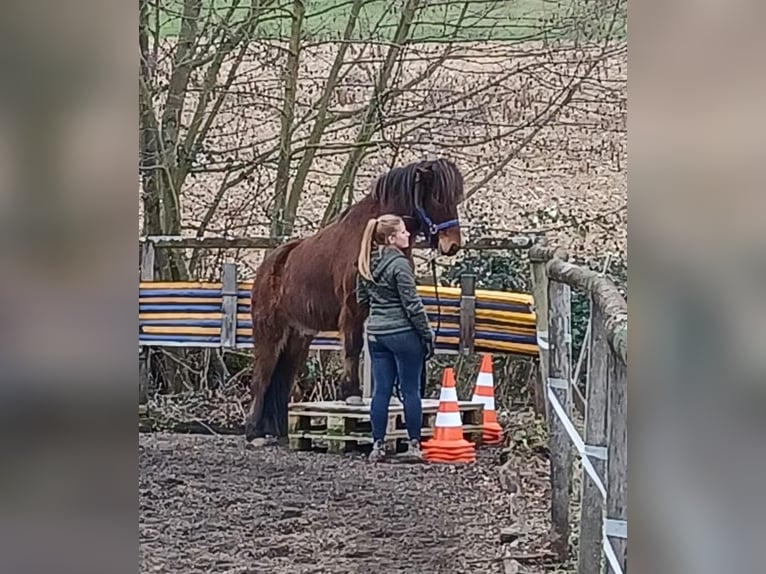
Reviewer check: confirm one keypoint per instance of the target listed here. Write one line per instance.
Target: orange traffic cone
(484, 392)
(447, 443)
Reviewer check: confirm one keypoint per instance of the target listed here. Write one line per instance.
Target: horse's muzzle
(452, 249)
(449, 242)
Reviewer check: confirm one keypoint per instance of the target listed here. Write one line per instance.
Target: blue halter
(429, 228)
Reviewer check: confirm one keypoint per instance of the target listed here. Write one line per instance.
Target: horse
(307, 285)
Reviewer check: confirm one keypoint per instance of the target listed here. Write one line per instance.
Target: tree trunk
(288, 113)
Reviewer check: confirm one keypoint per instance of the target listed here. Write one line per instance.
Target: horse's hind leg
(277, 397)
(266, 352)
(352, 330)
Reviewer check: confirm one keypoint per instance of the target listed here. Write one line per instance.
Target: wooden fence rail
(603, 450)
(180, 242)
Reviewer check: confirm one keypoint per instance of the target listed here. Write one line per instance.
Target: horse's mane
(396, 189)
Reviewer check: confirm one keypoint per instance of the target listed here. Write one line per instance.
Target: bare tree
(168, 146)
(266, 116)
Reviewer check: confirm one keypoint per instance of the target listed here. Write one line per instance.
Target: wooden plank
(333, 407)
(605, 294)
(146, 271)
(471, 415)
(591, 517)
(295, 427)
(306, 431)
(542, 253)
(351, 436)
(617, 464)
(467, 313)
(146, 268)
(540, 295)
(229, 305)
(171, 241)
(338, 428)
(559, 328)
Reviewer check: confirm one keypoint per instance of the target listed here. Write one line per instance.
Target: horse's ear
(410, 223)
(425, 172)
(425, 167)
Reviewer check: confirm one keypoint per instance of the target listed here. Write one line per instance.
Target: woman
(398, 333)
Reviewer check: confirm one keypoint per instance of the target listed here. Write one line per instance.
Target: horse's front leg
(352, 333)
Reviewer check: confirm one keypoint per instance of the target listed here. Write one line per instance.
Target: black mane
(441, 180)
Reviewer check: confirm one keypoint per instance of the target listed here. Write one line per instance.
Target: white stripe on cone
(448, 420)
(488, 402)
(484, 380)
(448, 395)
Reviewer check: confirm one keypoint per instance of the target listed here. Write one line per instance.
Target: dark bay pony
(307, 285)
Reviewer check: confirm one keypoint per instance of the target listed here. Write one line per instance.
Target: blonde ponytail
(377, 230)
(363, 262)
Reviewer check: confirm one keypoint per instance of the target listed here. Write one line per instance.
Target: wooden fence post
(617, 463)
(467, 313)
(146, 270)
(559, 327)
(146, 265)
(592, 506)
(229, 305)
(540, 296)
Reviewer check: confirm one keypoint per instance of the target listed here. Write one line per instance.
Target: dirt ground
(207, 504)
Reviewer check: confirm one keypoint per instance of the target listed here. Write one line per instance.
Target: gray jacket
(392, 297)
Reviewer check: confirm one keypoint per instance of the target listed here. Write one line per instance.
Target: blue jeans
(397, 355)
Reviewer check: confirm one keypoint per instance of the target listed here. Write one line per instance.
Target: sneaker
(413, 451)
(378, 452)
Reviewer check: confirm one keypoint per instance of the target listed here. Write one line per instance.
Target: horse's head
(438, 191)
(426, 194)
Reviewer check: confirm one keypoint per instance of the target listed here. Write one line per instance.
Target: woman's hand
(429, 346)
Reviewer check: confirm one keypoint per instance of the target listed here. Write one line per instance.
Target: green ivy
(498, 270)
(508, 270)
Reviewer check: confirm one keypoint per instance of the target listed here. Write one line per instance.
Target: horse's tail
(266, 282)
(271, 345)
(265, 296)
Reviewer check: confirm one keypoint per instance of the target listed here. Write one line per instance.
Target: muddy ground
(207, 504)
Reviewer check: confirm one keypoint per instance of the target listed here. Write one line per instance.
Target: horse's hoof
(355, 401)
(261, 442)
(255, 443)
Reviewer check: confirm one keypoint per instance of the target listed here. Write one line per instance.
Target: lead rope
(438, 303)
(423, 373)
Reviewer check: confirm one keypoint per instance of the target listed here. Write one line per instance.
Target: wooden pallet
(334, 426)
